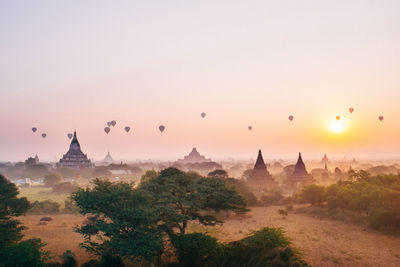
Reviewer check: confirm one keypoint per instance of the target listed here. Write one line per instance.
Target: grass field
(42, 193)
(323, 242)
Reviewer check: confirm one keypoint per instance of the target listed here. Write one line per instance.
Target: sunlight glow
(337, 126)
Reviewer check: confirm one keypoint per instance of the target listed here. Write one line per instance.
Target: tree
(10, 206)
(313, 194)
(52, 179)
(150, 174)
(25, 253)
(121, 218)
(182, 197)
(218, 173)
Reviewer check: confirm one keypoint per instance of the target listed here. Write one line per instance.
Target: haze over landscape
(76, 65)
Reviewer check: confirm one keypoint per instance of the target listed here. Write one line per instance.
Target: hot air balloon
(34, 129)
(203, 114)
(291, 117)
(337, 117)
(107, 129)
(127, 129)
(113, 123)
(44, 135)
(70, 135)
(109, 124)
(381, 118)
(351, 110)
(161, 128)
(250, 128)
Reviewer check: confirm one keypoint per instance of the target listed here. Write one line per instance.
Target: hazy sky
(79, 64)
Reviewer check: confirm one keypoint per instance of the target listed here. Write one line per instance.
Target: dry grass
(323, 242)
(42, 193)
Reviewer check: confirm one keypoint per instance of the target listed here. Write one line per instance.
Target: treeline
(377, 198)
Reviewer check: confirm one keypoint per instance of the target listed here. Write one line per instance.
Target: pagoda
(75, 158)
(260, 180)
(325, 159)
(108, 158)
(299, 178)
(193, 157)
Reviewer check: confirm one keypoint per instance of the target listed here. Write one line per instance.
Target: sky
(69, 65)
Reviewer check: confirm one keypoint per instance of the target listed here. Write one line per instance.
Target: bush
(52, 179)
(44, 207)
(25, 253)
(65, 187)
(313, 194)
(70, 207)
(274, 198)
(68, 258)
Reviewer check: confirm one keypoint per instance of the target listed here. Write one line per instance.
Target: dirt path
(322, 242)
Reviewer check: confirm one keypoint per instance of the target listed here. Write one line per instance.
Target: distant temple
(75, 158)
(108, 158)
(193, 157)
(325, 159)
(260, 180)
(32, 161)
(299, 178)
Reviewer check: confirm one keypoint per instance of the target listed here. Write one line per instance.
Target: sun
(337, 126)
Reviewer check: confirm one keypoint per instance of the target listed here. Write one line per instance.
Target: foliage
(283, 212)
(272, 198)
(44, 207)
(36, 171)
(182, 197)
(244, 190)
(68, 258)
(148, 176)
(25, 253)
(70, 206)
(10, 206)
(122, 220)
(196, 249)
(65, 187)
(218, 173)
(52, 179)
(313, 194)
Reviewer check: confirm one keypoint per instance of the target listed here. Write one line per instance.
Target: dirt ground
(323, 242)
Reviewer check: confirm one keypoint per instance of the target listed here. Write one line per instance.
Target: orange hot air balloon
(337, 117)
(351, 110)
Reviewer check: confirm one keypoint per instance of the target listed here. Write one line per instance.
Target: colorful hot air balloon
(161, 128)
(107, 129)
(44, 135)
(70, 135)
(127, 129)
(109, 124)
(34, 129)
(337, 117)
(291, 117)
(381, 118)
(203, 114)
(351, 110)
(113, 123)
(250, 128)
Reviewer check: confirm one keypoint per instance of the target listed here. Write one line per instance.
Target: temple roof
(260, 165)
(300, 168)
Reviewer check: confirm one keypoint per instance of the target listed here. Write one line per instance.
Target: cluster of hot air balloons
(34, 129)
(112, 123)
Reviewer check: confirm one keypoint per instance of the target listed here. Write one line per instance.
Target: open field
(40, 193)
(322, 242)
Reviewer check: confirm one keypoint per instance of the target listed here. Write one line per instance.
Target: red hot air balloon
(44, 135)
(203, 115)
(161, 128)
(107, 129)
(127, 129)
(291, 117)
(34, 129)
(381, 118)
(351, 110)
(70, 135)
(337, 117)
(113, 123)
(250, 128)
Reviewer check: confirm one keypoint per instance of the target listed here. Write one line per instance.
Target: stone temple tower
(75, 158)
(299, 178)
(260, 180)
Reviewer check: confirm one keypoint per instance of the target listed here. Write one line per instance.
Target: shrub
(65, 187)
(25, 253)
(52, 179)
(68, 259)
(44, 207)
(313, 194)
(273, 198)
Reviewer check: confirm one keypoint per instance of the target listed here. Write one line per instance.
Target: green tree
(10, 206)
(313, 194)
(150, 174)
(25, 253)
(182, 197)
(218, 173)
(52, 179)
(121, 218)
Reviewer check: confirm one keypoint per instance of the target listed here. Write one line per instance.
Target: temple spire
(260, 165)
(300, 166)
